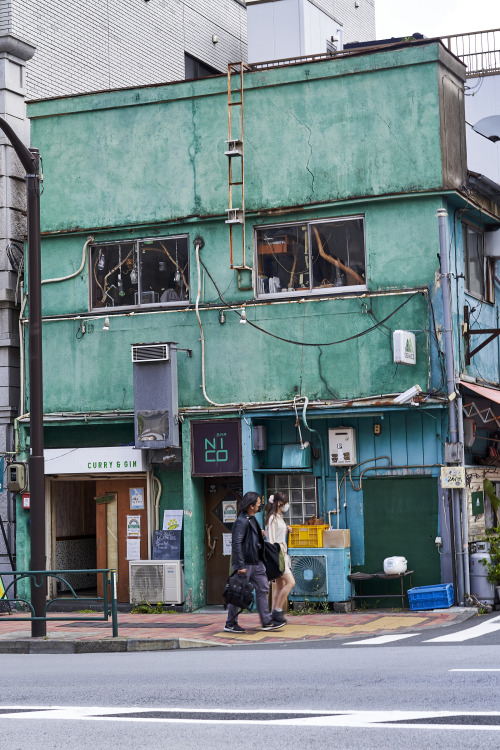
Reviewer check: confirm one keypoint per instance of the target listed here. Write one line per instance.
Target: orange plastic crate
(306, 536)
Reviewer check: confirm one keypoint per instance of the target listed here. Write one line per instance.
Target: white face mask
(284, 508)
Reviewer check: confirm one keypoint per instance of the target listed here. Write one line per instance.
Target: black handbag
(238, 591)
(274, 560)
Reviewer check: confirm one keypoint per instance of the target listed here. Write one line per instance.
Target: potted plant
(493, 564)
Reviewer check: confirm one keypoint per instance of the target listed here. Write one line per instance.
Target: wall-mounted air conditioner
(342, 446)
(156, 581)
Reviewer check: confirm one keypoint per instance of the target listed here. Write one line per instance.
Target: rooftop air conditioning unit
(156, 581)
(342, 446)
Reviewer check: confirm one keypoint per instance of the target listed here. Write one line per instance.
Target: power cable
(307, 343)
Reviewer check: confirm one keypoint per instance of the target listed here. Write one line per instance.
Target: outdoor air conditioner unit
(156, 581)
(321, 574)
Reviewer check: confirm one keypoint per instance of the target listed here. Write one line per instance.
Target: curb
(104, 646)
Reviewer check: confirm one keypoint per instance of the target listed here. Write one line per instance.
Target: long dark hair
(273, 504)
(248, 499)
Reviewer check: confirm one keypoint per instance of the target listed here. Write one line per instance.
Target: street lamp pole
(30, 159)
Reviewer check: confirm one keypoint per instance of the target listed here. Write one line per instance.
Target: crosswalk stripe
(379, 640)
(484, 628)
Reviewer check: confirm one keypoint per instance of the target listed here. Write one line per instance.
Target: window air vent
(150, 353)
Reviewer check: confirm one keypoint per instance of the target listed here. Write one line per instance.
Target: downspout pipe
(322, 511)
(452, 393)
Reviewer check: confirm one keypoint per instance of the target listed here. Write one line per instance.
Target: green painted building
(283, 309)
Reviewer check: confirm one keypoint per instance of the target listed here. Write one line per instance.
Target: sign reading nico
(215, 448)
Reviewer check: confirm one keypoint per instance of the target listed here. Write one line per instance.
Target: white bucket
(395, 565)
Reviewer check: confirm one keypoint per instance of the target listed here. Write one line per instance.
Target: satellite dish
(16, 257)
(489, 127)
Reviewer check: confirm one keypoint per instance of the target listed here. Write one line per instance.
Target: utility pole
(451, 391)
(30, 159)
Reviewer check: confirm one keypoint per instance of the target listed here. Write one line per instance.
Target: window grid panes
(302, 492)
(311, 256)
(145, 272)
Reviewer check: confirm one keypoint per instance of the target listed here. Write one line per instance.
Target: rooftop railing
(480, 51)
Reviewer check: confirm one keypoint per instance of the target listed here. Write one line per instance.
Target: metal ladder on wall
(236, 215)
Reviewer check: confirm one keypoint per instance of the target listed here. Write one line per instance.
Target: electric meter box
(16, 477)
(342, 446)
(405, 348)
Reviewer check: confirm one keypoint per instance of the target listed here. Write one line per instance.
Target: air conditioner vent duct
(150, 353)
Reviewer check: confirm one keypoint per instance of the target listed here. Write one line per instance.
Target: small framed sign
(26, 500)
(215, 447)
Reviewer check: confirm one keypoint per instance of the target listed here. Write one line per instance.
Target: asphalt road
(409, 693)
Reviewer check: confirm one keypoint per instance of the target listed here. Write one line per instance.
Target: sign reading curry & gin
(215, 447)
(94, 460)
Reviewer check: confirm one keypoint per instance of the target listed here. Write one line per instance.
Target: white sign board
(172, 520)
(107, 460)
(405, 348)
(452, 477)
(227, 544)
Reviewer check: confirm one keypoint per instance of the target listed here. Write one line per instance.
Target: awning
(481, 411)
(491, 393)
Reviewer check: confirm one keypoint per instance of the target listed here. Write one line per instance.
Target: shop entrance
(221, 497)
(97, 523)
(116, 534)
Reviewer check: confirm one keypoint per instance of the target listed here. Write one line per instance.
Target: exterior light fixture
(222, 317)
(215, 38)
(106, 324)
(243, 318)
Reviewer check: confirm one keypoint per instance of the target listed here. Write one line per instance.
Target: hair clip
(271, 499)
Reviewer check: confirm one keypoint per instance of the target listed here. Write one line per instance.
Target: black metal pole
(37, 477)
(30, 159)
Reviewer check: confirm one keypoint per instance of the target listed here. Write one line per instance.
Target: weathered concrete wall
(313, 133)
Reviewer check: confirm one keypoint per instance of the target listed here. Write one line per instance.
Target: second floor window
(143, 272)
(479, 270)
(314, 256)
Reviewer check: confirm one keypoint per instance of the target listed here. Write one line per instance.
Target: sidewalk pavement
(205, 628)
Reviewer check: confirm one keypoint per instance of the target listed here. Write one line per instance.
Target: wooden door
(221, 496)
(111, 529)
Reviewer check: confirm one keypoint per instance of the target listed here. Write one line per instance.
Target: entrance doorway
(96, 523)
(221, 498)
(114, 543)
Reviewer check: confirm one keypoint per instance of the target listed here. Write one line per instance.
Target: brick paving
(207, 628)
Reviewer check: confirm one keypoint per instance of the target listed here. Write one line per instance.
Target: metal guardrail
(40, 577)
(480, 51)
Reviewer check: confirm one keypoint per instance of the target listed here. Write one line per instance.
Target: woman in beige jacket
(277, 531)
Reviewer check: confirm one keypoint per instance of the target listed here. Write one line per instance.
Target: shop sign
(108, 460)
(452, 477)
(215, 447)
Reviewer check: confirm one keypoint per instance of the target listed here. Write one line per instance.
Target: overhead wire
(307, 343)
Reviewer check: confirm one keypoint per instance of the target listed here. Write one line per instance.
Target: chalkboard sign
(167, 545)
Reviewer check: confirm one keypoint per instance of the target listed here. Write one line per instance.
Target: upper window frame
(318, 291)
(137, 243)
(487, 293)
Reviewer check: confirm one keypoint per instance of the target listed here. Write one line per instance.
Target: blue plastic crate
(431, 597)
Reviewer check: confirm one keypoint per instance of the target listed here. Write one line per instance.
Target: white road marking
(341, 718)
(380, 639)
(484, 628)
(474, 670)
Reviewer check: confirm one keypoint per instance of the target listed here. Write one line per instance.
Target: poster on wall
(136, 498)
(229, 511)
(227, 544)
(134, 527)
(215, 447)
(133, 549)
(172, 520)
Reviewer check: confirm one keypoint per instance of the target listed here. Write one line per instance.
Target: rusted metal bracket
(467, 332)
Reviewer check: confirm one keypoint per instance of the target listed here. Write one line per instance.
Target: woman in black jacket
(247, 560)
